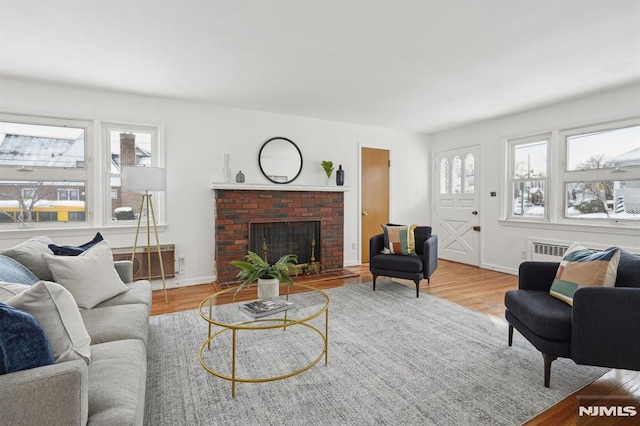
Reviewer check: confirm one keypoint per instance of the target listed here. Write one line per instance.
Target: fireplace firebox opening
(271, 240)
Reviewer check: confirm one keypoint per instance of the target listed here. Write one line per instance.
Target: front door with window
(456, 214)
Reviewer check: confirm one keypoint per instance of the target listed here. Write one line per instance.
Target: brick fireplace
(235, 209)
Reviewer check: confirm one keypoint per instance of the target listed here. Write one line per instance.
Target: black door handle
(475, 212)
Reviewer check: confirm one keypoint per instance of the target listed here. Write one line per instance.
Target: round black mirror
(280, 160)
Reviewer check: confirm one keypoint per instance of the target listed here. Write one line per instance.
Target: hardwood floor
(478, 289)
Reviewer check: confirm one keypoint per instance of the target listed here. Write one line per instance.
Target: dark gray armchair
(415, 268)
(601, 329)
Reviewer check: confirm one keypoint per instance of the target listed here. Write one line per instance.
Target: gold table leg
(233, 363)
(210, 325)
(326, 336)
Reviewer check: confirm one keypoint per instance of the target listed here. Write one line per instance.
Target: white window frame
(592, 175)
(95, 174)
(157, 160)
(512, 144)
(54, 174)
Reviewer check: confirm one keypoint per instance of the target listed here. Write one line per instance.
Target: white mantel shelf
(276, 187)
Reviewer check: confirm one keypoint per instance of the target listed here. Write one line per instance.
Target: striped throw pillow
(581, 267)
(399, 239)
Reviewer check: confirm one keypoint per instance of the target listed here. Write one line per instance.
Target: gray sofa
(110, 390)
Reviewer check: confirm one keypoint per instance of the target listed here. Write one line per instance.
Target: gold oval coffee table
(307, 305)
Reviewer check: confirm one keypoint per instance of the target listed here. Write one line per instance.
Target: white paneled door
(456, 210)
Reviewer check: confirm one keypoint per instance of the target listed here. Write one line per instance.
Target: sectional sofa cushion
(75, 250)
(54, 308)
(13, 271)
(117, 383)
(139, 292)
(90, 277)
(119, 322)
(23, 342)
(29, 253)
(581, 267)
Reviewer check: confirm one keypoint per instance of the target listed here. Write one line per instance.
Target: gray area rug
(393, 359)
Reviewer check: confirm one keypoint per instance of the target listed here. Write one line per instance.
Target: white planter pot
(268, 288)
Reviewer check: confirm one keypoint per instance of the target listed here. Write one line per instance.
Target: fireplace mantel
(276, 187)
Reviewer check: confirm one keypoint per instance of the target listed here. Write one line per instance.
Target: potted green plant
(254, 268)
(327, 166)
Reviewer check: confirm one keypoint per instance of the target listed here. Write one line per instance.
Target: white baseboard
(352, 263)
(177, 282)
(499, 268)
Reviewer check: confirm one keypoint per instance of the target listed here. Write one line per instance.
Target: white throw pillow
(90, 277)
(29, 253)
(56, 311)
(9, 290)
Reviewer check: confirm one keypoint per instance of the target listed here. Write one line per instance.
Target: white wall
(197, 136)
(501, 243)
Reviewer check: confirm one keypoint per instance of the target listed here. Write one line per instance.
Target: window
(40, 158)
(129, 146)
(444, 176)
(469, 174)
(457, 174)
(68, 194)
(48, 177)
(29, 193)
(460, 178)
(601, 179)
(527, 183)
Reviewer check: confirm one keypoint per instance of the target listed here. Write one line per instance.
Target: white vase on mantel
(268, 288)
(226, 169)
(328, 181)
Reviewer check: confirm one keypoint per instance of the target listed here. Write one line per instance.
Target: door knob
(475, 213)
(364, 213)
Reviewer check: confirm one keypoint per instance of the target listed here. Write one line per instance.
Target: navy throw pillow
(75, 250)
(23, 342)
(12, 271)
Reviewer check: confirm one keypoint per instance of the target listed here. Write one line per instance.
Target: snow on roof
(631, 158)
(43, 203)
(18, 150)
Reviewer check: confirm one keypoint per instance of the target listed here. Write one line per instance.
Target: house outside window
(38, 157)
(528, 177)
(601, 177)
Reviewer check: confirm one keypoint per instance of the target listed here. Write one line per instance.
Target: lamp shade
(142, 178)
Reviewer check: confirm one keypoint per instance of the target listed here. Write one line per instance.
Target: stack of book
(261, 308)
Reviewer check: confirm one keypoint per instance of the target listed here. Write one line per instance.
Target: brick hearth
(236, 208)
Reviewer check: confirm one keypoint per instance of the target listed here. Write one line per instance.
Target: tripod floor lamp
(144, 179)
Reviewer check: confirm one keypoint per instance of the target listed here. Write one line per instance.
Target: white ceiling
(421, 66)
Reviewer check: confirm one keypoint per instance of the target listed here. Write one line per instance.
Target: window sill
(28, 232)
(619, 228)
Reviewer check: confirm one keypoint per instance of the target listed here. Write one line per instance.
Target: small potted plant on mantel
(327, 166)
(268, 276)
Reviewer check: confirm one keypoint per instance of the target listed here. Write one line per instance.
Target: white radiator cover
(552, 250)
(542, 250)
